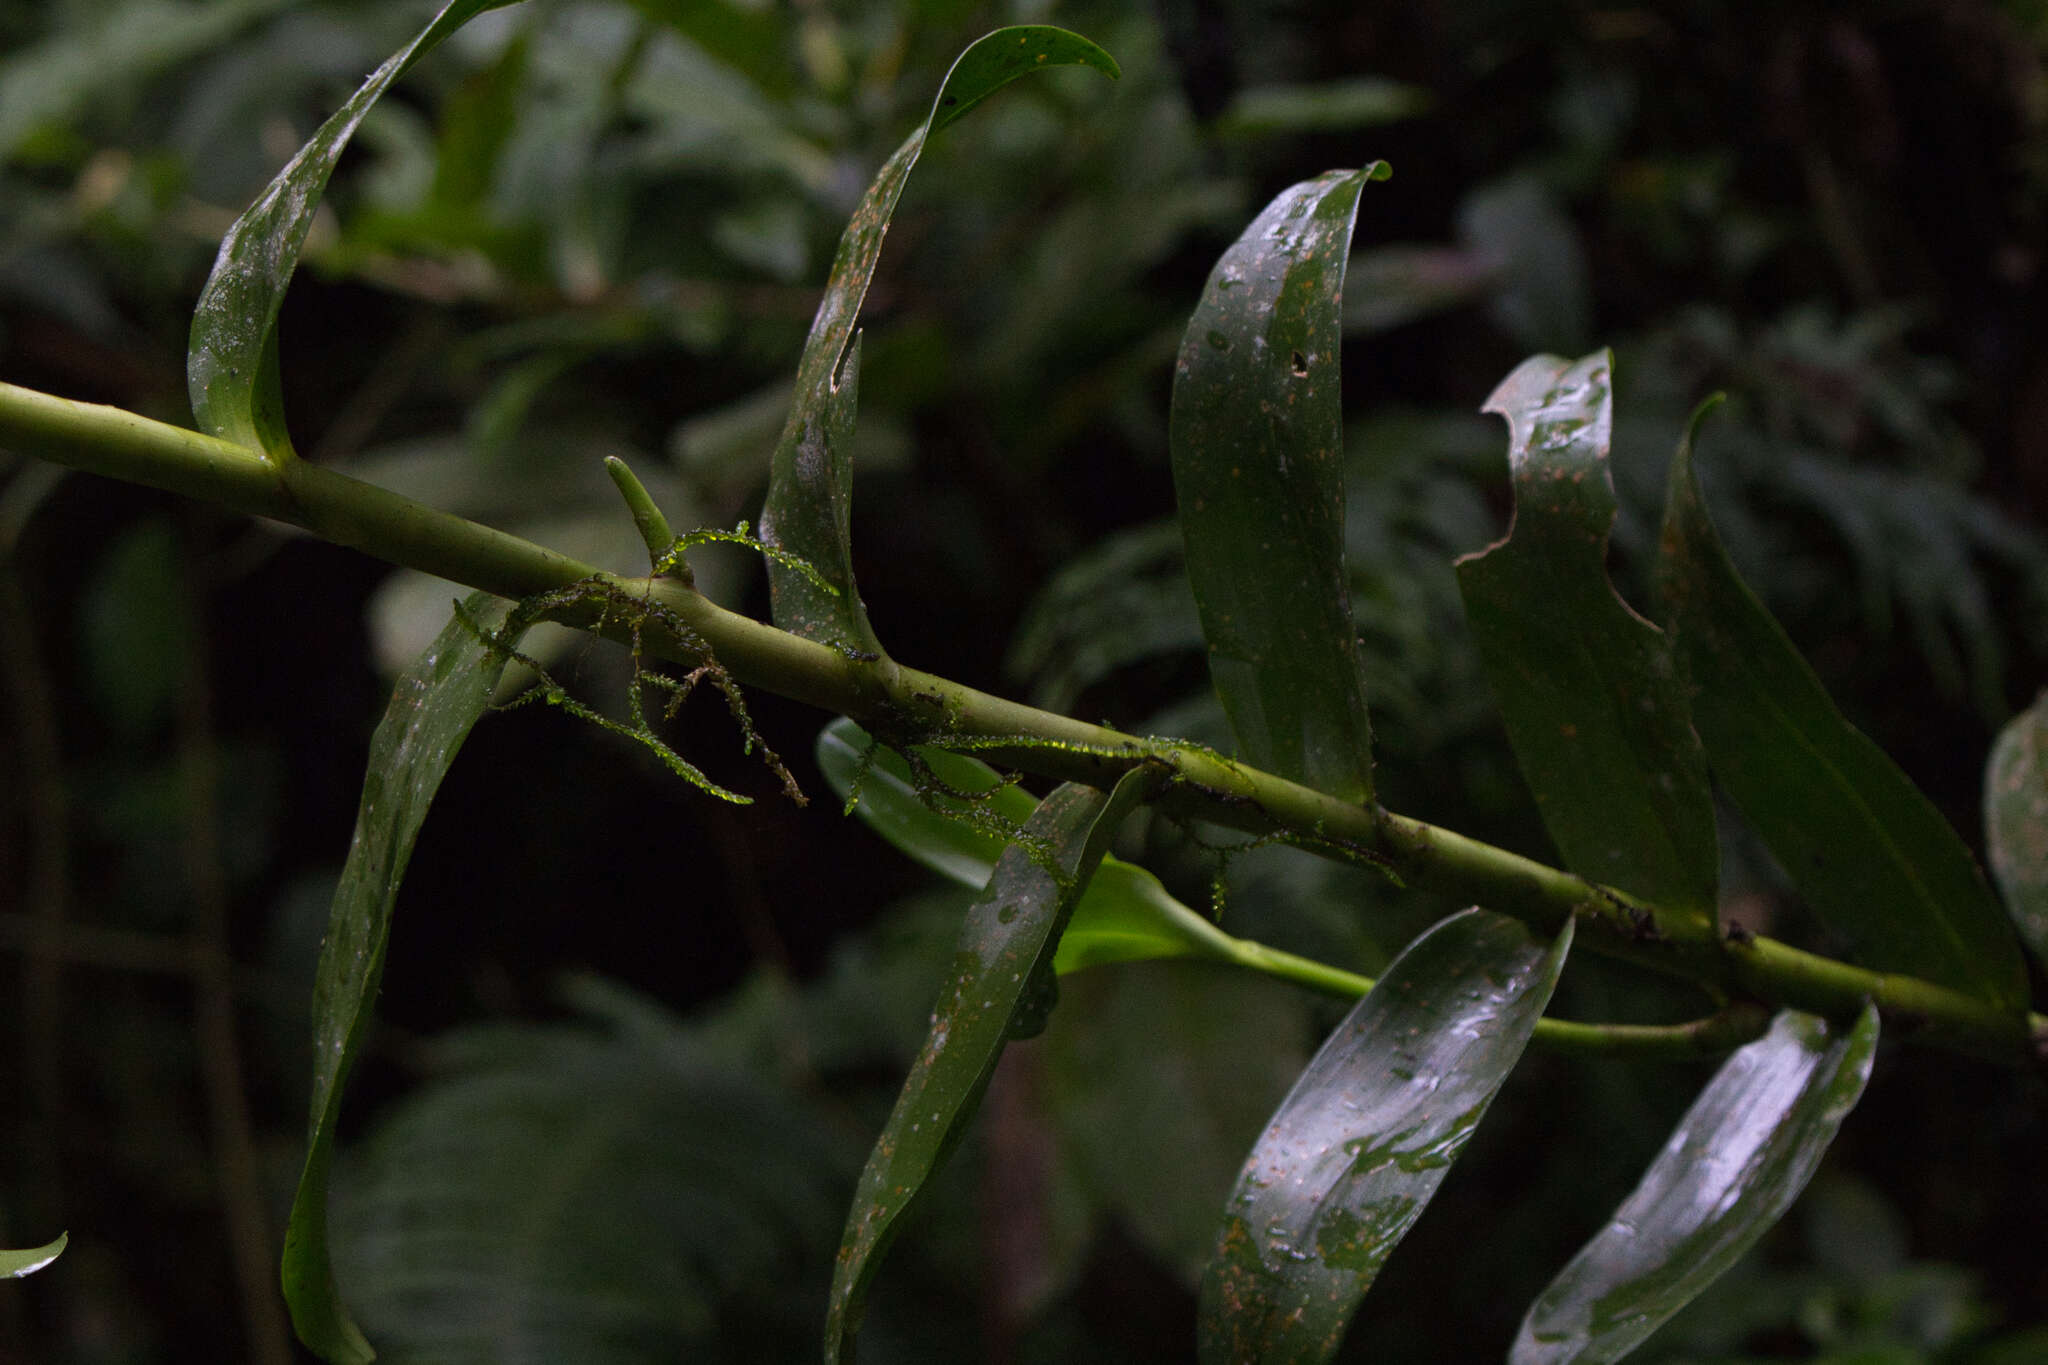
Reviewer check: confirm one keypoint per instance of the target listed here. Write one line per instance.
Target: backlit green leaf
(1257, 468)
(231, 366)
(432, 709)
(999, 987)
(1871, 855)
(1729, 1171)
(2016, 822)
(810, 483)
(1361, 1143)
(1597, 716)
(15, 1264)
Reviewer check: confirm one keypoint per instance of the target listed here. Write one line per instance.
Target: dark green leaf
(1867, 850)
(433, 706)
(2016, 822)
(1258, 470)
(998, 988)
(1369, 1131)
(1598, 718)
(1125, 915)
(1731, 1168)
(231, 367)
(15, 1264)
(810, 483)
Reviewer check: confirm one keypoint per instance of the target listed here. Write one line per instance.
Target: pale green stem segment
(917, 707)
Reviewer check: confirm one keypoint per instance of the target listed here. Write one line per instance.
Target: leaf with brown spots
(1599, 722)
(1367, 1134)
(810, 483)
(1000, 987)
(2016, 822)
(1257, 437)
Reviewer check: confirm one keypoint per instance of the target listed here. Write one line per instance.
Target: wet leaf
(1729, 1171)
(15, 1264)
(1871, 855)
(1593, 706)
(432, 709)
(1257, 468)
(1361, 1143)
(1125, 915)
(810, 483)
(999, 988)
(2016, 822)
(231, 365)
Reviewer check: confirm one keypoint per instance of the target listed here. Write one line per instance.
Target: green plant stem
(904, 705)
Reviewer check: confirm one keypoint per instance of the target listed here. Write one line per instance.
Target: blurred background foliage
(635, 1043)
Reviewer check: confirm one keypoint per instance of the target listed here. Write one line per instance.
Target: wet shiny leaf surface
(432, 709)
(1370, 1129)
(1598, 718)
(1729, 1171)
(1257, 444)
(1001, 986)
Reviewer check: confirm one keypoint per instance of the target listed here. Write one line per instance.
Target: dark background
(634, 1042)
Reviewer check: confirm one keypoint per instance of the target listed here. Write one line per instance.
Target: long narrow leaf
(231, 365)
(1597, 716)
(432, 709)
(1125, 915)
(999, 988)
(1730, 1170)
(27, 1261)
(810, 484)
(1871, 855)
(2016, 822)
(1366, 1136)
(1257, 441)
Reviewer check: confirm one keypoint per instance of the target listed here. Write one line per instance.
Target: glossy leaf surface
(27, 1261)
(1125, 915)
(432, 709)
(231, 367)
(2016, 822)
(1729, 1171)
(1257, 442)
(1000, 987)
(810, 482)
(1361, 1143)
(1597, 716)
(1871, 855)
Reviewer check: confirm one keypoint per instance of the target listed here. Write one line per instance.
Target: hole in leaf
(1300, 365)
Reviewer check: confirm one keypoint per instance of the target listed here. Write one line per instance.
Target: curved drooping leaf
(1366, 1136)
(432, 709)
(1257, 442)
(1000, 987)
(1593, 706)
(1125, 915)
(1871, 855)
(231, 365)
(810, 481)
(2016, 822)
(27, 1261)
(1729, 1171)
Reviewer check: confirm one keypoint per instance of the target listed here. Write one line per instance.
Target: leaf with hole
(2016, 822)
(1360, 1145)
(432, 709)
(1257, 439)
(999, 987)
(1729, 1171)
(1872, 856)
(231, 364)
(810, 483)
(1596, 713)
